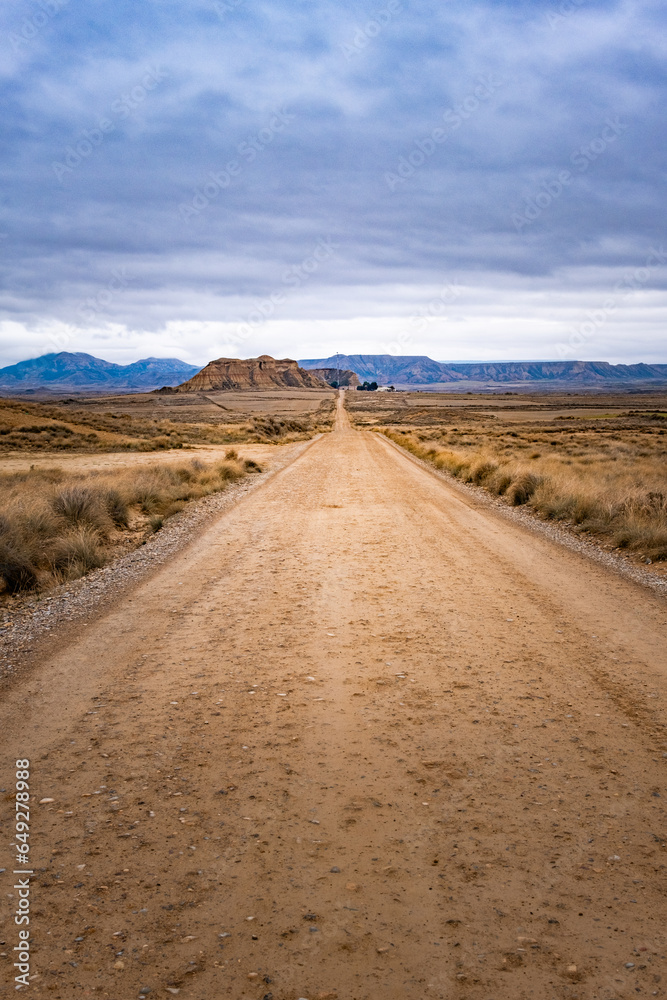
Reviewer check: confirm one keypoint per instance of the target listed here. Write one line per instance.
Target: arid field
(597, 465)
(154, 422)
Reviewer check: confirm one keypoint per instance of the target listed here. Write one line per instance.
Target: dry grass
(271, 428)
(84, 426)
(56, 526)
(611, 483)
(596, 463)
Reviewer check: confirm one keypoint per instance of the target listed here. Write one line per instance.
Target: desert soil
(108, 461)
(362, 739)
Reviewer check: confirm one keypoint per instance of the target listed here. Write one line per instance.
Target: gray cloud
(278, 125)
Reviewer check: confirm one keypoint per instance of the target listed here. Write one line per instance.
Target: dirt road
(362, 740)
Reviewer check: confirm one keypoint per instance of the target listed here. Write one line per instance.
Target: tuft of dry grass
(75, 553)
(81, 507)
(57, 526)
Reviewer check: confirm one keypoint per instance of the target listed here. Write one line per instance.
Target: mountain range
(77, 372)
(67, 372)
(421, 370)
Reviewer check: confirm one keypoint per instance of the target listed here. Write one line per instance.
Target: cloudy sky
(206, 178)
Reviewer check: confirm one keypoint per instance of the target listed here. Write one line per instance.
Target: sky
(227, 178)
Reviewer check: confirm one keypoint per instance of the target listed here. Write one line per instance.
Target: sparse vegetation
(568, 459)
(94, 426)
(271, 428)
(57, 526)
(619, 496)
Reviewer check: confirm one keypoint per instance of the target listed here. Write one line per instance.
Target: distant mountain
(584, 372)
(384, 368)
(77, 372)
(420, 370)
(252, 373)
(67, 372)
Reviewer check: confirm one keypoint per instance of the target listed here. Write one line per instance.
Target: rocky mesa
(264, 372)
(337, 375)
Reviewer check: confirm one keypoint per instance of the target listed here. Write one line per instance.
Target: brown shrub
(499, 481)
(76, 553)
(117, 507)
(481, 471)
(17, 571)
(229, 470)
(81, 506)
(521, 489)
